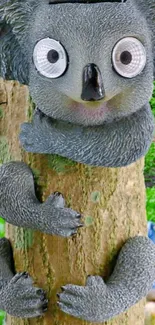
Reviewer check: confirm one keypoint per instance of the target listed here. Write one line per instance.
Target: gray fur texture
(114, 131)
(19, 205)
(130, 281)
(72, 140)
(18, 296)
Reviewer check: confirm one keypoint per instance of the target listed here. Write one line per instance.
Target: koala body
(89, 67)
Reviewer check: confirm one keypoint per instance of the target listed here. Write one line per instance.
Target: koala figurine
(89, 66)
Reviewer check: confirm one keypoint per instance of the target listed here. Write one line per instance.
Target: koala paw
(57, 219)
(34, 137)
(20, 298)
(86, 302)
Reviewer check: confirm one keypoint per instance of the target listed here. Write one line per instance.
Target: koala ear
(14, 17)
(147, 8)
(13, 64)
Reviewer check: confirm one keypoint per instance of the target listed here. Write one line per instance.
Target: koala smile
(90, 109)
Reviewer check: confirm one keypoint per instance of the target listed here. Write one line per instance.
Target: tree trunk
(112, 201)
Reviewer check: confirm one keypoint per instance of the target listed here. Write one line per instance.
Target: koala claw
(66, 225)
(20, 299)
(84, 302)
(22, 278)
(57, 200)
(60, 220)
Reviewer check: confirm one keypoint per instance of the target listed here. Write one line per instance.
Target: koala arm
(130, 281)
(114, 144)
(19, 205)
(18, 296)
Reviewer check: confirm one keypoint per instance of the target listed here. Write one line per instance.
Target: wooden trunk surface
(111, 200)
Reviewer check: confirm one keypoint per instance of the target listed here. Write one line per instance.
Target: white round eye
(129, 57)
(50, 58)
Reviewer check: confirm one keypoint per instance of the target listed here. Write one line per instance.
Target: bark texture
(111, 200)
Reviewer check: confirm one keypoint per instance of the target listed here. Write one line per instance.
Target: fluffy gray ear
(14, 17)
(147, 7)
(13, 63)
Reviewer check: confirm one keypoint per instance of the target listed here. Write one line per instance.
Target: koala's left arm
(115, 144)
(130, 281)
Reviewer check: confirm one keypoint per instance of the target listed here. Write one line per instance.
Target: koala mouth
(90, 109)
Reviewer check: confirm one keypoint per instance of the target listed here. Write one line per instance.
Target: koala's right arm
(114, 144)
(131, 280)
(20, 207)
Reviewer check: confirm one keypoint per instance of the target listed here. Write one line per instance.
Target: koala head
(85, 62)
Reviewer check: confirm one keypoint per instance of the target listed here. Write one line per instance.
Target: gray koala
(89, 67)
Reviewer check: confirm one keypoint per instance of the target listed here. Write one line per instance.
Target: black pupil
(126, 57)
(53, 56)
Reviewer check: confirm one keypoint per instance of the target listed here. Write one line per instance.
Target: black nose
(92, 88)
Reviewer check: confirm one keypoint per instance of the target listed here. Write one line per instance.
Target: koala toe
(56, 199)
(21, 279)
(34, 304)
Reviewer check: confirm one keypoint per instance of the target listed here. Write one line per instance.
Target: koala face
(85, 62)
(89, 67)
(89, 63)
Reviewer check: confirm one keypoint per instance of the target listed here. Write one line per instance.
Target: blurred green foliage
(153, 100)
(150, 203)
(149, 169)
(2, 317)
(149, 173)
(2, 227)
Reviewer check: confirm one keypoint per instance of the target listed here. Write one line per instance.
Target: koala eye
(50, 58)
(129, 57)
